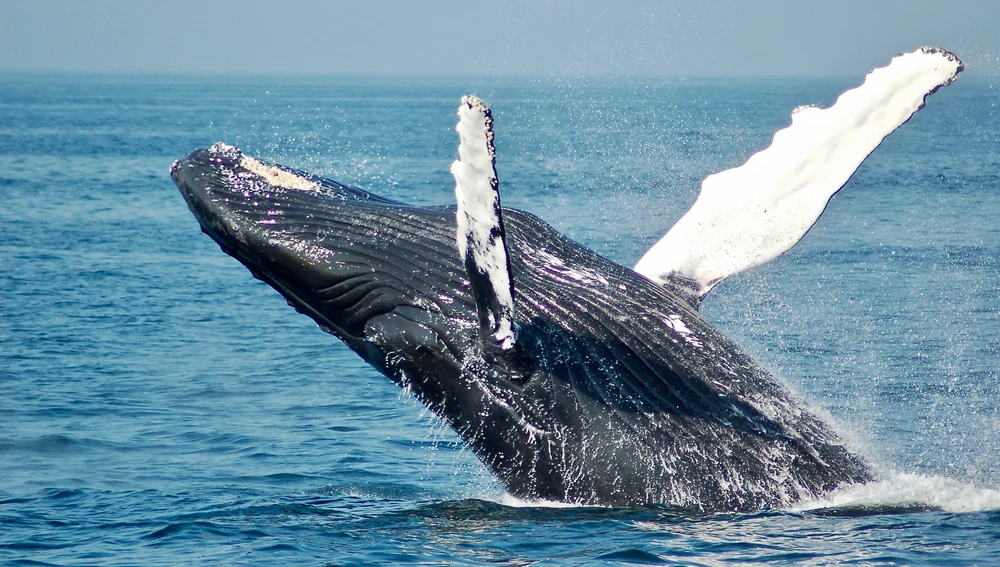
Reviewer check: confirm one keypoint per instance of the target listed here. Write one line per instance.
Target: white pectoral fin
(480, 235)
(747, 216)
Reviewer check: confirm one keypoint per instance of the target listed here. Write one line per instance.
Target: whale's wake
(909, 490)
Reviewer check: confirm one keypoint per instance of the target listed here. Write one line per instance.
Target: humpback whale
(572, 378)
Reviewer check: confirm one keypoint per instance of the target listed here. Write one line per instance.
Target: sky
(508, 38)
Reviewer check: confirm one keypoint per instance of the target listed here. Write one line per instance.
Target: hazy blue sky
(686, 38)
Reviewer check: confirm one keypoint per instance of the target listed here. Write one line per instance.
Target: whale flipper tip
(748, 215)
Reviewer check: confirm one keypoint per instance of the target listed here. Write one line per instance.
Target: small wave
(909, 490)
(514, 502)
(54, 444)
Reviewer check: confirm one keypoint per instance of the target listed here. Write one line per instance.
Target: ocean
(159, 406)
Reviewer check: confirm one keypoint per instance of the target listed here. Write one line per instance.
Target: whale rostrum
(572, 378)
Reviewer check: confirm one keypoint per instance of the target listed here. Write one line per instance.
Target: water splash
(515, 502)
(910, 490)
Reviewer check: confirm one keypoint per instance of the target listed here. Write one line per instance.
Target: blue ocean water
(160, 406)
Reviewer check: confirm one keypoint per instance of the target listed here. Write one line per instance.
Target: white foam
(898, 490)
(514, 502)
(905, 489)
(749, 215)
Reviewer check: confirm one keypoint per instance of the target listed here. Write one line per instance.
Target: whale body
(623, 393)
(572, 378)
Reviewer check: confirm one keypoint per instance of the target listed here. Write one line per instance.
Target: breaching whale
(570, 377)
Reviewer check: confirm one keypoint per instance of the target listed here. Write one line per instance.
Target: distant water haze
(454, 38)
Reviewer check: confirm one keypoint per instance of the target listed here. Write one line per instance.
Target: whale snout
(221, 192)
(258, 212)
(224, 205)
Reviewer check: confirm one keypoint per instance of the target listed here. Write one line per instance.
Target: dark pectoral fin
(480, 237)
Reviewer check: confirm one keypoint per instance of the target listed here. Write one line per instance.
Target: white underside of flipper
(747, 216)
(480, 234)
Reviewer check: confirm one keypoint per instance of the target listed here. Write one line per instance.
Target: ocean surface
(159, 406)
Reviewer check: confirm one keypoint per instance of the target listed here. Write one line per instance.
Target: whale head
(349, 259)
